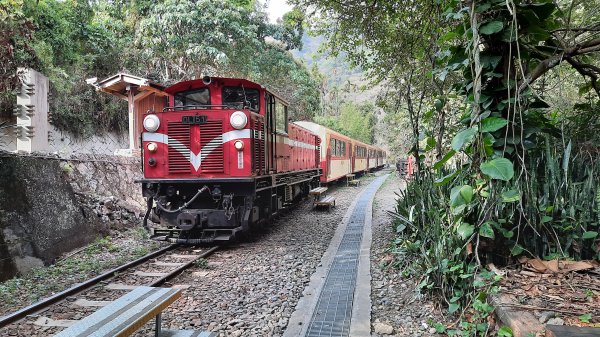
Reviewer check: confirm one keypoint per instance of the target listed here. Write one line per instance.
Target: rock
(234, 322)
(546, 315)
(237, 333)
(432, 331)
(556, 321)
(383, 329)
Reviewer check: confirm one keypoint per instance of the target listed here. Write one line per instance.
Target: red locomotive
(223, 157)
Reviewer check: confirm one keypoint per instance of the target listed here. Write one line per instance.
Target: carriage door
(351, 148)
(270, 131)
(328, 154)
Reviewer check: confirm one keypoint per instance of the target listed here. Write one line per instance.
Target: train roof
(220, 81)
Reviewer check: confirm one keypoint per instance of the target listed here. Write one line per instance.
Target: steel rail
(36, 307)
(177, 271)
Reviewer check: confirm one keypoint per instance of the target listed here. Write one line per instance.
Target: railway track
(154, 269)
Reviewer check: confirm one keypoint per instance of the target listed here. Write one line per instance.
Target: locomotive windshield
(241, 98)
(193, 97)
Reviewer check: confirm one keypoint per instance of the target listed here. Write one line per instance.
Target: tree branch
(587, 70)
(551, 62)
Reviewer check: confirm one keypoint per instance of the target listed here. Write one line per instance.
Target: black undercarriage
(195, 211)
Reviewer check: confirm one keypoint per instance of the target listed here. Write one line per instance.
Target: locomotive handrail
(231, 105)
(195, 106)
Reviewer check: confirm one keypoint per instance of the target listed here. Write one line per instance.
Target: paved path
(337, 301)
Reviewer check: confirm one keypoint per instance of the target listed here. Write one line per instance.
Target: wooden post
(133, 136)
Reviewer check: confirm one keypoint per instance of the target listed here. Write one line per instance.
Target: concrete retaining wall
(49, 206)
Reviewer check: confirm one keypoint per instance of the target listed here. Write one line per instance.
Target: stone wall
(49, 205)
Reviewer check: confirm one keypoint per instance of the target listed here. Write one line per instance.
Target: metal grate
(258, 145)
(179, 148)
(211, 140)
(334, 306)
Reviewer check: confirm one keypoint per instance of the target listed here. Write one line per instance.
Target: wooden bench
(318, 192)
(349, 177)
(354, 182)
(129, 313)
(328, 201)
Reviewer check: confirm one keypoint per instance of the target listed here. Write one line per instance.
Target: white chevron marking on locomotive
(195, 158)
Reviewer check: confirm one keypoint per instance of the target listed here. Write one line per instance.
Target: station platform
(337, 301)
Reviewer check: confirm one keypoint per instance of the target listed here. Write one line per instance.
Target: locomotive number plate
(193, 119)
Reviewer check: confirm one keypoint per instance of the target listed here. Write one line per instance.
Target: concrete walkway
(337, 301)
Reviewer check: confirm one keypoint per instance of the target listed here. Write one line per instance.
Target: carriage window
(338, 148)
(281, 124)
(193, 97)
(241, 98)
(361, 151)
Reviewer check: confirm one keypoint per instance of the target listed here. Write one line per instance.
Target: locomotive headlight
(152, 147)
(151, 123)
(239, 145)
(238, 120)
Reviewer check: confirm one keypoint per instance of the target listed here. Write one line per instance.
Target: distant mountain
(336, 69)
(342, 83)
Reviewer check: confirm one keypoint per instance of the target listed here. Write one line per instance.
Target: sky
(276, 8)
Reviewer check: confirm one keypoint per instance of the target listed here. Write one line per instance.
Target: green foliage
(201, 263)
(471, 79)
(499, 168)
(100, 255)
(355, 121)
(166, 41)
(15, 51)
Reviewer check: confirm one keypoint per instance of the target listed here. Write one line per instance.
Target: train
(223, 157)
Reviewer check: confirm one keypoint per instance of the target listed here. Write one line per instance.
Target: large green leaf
(461, 195)
(465, 230)
(486, 230)
(466, 192)
(453, 307)
(511, 195)
(589, 235)
(499, 168)
(492, 124)
(491, 27)
(463, 137)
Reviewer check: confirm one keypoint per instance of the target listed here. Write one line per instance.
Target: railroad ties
(152, 270)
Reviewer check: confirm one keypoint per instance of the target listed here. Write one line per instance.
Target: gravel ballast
(397, 307)
(252, 288)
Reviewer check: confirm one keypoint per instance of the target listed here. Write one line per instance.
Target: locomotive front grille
(179, 148)
(211, 140)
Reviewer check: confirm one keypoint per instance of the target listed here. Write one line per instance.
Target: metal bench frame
(127, 314)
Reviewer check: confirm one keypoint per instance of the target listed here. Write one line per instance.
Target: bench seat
(354, 182)
(318, 190)
(130, 312)
(328, 201)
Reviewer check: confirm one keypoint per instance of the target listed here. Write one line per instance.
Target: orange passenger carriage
(341, 155)
(222, 158)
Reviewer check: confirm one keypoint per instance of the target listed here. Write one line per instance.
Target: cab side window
(281, 124)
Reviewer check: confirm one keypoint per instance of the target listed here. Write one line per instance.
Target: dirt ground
(396, 305)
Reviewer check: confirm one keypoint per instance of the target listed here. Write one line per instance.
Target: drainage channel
(333, 311)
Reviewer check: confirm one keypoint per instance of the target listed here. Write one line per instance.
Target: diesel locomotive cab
(217, 160)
